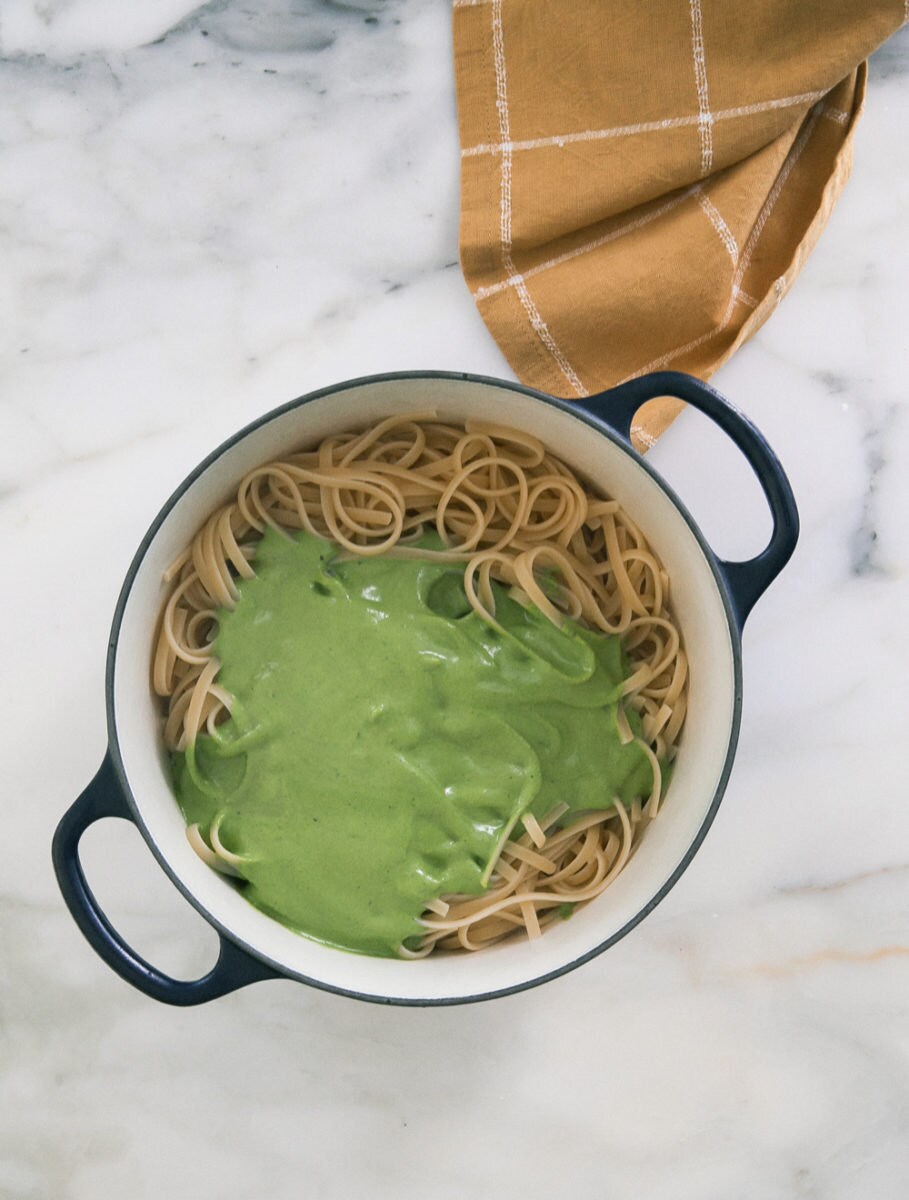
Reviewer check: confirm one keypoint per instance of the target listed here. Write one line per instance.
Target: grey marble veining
(205, 211)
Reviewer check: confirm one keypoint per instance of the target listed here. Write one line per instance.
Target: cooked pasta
(511, 512)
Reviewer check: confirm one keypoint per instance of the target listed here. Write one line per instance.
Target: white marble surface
(204, 212)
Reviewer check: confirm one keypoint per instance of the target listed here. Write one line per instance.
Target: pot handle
(745, 581)
(104, 797)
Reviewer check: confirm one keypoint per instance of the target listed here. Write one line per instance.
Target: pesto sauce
(385, 739)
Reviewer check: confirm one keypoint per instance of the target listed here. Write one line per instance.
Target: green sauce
(385, 739)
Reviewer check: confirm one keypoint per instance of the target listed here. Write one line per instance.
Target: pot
(711, 600)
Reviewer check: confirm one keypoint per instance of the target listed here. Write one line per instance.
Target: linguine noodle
(510, 512)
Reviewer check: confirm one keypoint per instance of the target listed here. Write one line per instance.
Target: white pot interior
(707, 736)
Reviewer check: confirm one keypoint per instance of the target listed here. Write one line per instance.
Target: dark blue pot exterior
(611, 413)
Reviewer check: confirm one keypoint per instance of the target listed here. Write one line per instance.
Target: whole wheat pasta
(510, 512)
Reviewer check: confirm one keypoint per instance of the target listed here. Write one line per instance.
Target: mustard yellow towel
(642, 180)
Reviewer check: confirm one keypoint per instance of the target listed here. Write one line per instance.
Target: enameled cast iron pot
(711, 599)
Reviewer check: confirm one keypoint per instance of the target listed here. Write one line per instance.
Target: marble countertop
(207, 211)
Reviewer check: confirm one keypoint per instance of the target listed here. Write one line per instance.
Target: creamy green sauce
(385, 739)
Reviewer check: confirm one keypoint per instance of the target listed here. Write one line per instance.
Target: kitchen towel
(642, 182)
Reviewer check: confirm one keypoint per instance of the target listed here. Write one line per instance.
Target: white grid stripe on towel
(794, 155)
(658, 363)
(736, 295)
(643, 435)
(498, 44)
(727, 237)
(744, 298)
(705, 119)
(836, 114)
(619, 131)
(493, 288)
(537, 323)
